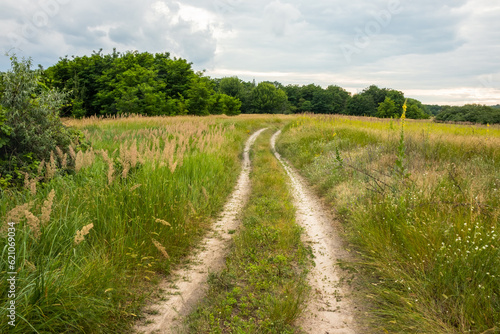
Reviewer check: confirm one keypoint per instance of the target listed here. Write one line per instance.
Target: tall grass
(90, 242)
(429, 240)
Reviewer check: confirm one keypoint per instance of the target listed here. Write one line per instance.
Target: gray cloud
(424, 46)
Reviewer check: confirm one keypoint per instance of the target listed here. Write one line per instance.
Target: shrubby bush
(30, 127)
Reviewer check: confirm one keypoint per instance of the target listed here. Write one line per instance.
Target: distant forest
(156, 84)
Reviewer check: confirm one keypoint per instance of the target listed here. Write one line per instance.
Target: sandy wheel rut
(188, 285)
(328, 312)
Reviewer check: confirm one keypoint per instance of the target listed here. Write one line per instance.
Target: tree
(416, 110)
(360, 105)
(387, 109)
(225, 104)
(200, 96)
(340, 99)
(267, 99)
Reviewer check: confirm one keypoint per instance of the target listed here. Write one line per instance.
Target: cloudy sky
(438, 51)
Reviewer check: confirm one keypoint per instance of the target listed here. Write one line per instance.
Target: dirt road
(328, 311)
(188, 285)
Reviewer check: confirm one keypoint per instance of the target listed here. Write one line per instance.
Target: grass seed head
(80, 235)
(47, 207)
(33, 222)
(162, 249)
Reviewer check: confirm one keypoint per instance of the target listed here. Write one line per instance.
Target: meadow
(420, 204)
(129, 204)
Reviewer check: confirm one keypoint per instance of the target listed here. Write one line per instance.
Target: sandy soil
(188, 285)
(329, 310)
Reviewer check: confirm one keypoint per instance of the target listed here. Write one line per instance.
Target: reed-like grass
(428, 238)
(91, 240)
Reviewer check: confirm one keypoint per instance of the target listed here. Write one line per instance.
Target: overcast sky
(438, 51)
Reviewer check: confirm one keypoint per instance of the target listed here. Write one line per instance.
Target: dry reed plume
(80, 235)
(47, 208)
(33, 222)
(51, 167)
(31, 183)
(160, 247)
(163, 222)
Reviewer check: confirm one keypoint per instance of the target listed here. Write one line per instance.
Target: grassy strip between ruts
(263, 287)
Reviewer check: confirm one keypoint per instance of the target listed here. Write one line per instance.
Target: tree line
(156, 84)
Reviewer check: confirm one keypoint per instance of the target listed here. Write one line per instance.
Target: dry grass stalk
(111, 171)
(163, 222)
(16, 214)
(64, 162)
(205, 193)
(33, 222)
(135, 187)
(88, 158)
(133, 154)
(79, 161)
(31, 267)
(39, 170)
(72, 153)
(172, 166)
(191, 206)
(160, 247)
(51, 167)
(47, 207)
(80, 235)
(126, 168)
(60, 154)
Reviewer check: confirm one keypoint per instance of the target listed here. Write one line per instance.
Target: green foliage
(361, 105)
(268, 99)
(5, 130)
(200, 96)
(387, 109)
(225, 104)
(474, 113)
(30, 120)
(433, 109)
(123, 83)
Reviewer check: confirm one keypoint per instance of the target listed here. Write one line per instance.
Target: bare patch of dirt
(329, 310)
(188, 285)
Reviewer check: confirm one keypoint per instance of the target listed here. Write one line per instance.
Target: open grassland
(421, 203)
(263, 287)
(131, 203)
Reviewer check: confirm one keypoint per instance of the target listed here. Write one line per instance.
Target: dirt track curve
(328, 310)
(188, 285)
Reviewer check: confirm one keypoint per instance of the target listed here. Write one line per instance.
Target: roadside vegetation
(420, 202)
(92, 237)
(263, 287)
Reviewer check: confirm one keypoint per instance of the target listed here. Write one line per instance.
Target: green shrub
(30, 127)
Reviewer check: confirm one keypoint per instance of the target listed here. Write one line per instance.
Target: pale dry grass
(80, 235)
(47, 208)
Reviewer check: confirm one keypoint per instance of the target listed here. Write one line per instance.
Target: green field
(420, 206)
